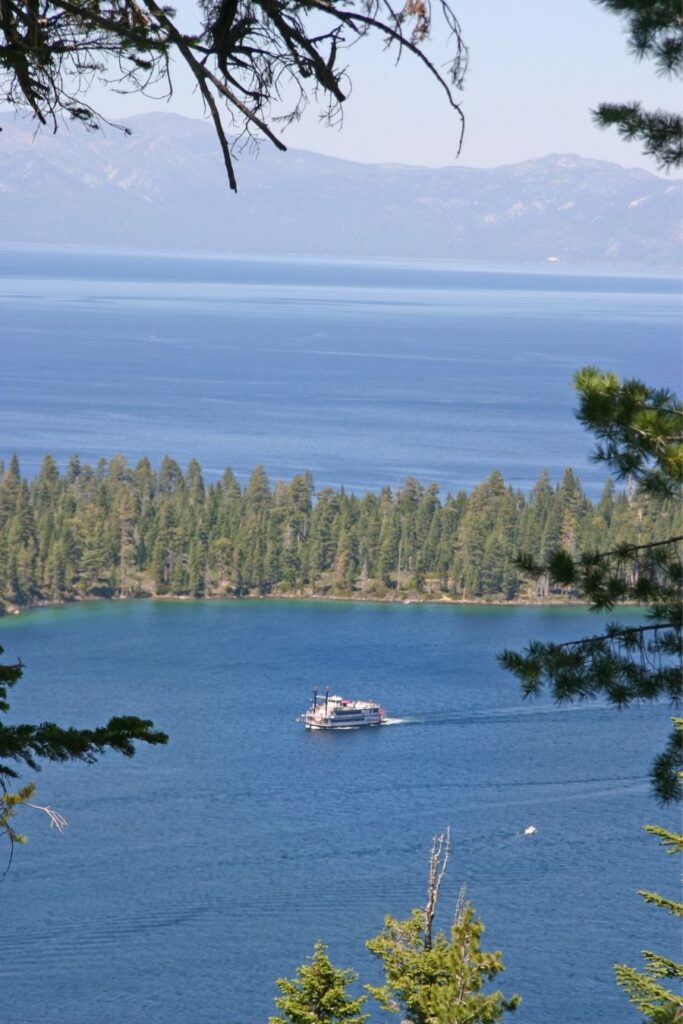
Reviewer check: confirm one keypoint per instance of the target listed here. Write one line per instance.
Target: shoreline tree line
(118, 531)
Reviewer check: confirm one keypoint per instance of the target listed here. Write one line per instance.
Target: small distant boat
(334, 712)
(530, 830)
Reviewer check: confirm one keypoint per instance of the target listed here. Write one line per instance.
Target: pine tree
(318, 994)
(299, 501)
(647, 989)
(112, 531)
(639, 434)
(9, 490)
(480, 553)
(163, 550)
(170, 478)
(195, 483)
(432, 978)
(389, 549)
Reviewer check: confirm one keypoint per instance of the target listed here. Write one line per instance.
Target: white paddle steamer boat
(334, 712)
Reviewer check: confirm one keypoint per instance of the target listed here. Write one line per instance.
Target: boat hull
(328, 725)
(336, 713)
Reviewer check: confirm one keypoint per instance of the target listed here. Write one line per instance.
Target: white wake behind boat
(334, 712)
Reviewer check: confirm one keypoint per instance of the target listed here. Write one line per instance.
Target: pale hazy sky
(536, 69)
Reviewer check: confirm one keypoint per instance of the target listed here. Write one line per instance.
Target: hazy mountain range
(164, 188)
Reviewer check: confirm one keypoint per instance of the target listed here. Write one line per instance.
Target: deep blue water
(192, 876)
(362, 373)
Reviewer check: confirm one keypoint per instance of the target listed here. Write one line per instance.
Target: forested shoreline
(117, 531)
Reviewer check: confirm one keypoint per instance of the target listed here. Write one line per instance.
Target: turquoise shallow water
(362, 373)
(192, 876)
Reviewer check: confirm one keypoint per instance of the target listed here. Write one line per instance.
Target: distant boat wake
(491, 714)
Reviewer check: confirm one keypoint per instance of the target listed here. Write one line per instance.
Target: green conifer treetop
(432, 978)
(120, 531)
(429, 978)
(318, 994)
(443, 983)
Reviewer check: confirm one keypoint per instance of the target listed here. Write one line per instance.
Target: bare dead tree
(438, 862)
(257, 63)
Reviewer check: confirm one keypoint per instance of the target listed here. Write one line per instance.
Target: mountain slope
(163, 188)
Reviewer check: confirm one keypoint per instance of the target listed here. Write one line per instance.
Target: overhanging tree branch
(655, 31)
(258, 61)
(623, 664)
(31, 744)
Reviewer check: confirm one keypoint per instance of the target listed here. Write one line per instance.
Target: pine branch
(30, 743)
(263, 60)
(674, 907)
(616, 633)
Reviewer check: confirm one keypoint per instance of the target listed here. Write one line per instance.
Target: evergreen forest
(116, 531)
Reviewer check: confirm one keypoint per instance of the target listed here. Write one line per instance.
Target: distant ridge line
(162, 189)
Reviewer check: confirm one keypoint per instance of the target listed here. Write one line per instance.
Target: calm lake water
(362, 373)
(192, 876)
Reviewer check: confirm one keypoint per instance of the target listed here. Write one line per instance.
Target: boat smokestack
(327, 694)
(315, 699)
